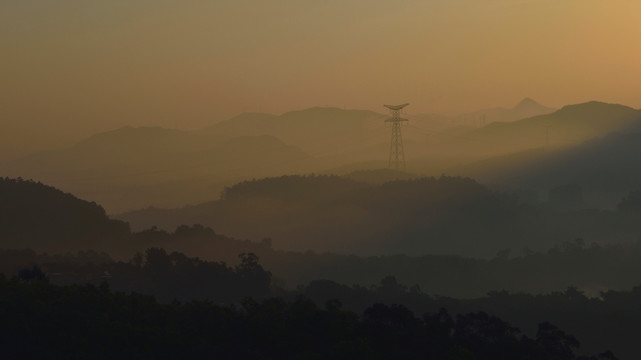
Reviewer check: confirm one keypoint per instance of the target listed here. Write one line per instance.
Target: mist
(71, 69)
(240, 180)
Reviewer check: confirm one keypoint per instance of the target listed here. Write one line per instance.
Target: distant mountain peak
(528, 101)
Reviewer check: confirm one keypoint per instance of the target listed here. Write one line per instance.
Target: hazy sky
(100, 64)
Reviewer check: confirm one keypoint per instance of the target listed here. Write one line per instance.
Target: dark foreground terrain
(43, 321)
(172, 282)
(153, 298)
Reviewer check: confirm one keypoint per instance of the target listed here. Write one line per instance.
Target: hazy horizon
(72, 67)
(201, 179)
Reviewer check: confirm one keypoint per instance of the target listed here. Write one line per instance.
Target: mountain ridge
(165, 162)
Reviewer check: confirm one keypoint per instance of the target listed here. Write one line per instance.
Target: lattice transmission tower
(396, 153)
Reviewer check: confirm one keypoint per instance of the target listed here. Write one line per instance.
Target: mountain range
(606, 168)
(445, 215)
(569, 126)
(524, 109)
(132, 168)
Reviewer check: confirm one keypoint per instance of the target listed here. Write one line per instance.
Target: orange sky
(77, 66)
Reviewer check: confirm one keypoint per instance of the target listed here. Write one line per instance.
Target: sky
(74, 67)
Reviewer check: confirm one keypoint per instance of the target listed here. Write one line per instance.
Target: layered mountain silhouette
(606, 168)
(316, 130)
(333, 136)
(447, 215)
(568, 126)
(34, 215)
(524, 109)
(129, 167)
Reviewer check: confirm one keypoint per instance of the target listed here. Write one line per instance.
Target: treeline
(331, 213)
(591, 268)
(607, 319)
(444, 215)
(43, 321)
(588, 266)
(293, 187)
(41, 217)
(611, 319)
(36, 215)
(167, 276)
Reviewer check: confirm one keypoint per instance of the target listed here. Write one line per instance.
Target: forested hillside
(40, 216)
(275, 322)
(133, 326)
(445, 215)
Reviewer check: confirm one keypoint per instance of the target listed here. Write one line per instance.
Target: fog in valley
(335, 180)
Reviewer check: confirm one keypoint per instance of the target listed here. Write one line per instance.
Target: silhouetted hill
(606, 168)
(136, 167)
(249, 123)
(341, 141)
(325, 213)
(524, 109)
(530, 105)
(132, 168)
(41, 320)
(570, 125)
(316, 130)
(418, 216)
(610, 320)
(42, 217)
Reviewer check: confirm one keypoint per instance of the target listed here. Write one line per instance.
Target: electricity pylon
(396, 153)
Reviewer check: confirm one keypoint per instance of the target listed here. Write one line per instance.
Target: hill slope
(33, 215)
(136, 167)
(316, 130)
(606, 168)
(568, 126)
(429, 215)
(526, 108)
